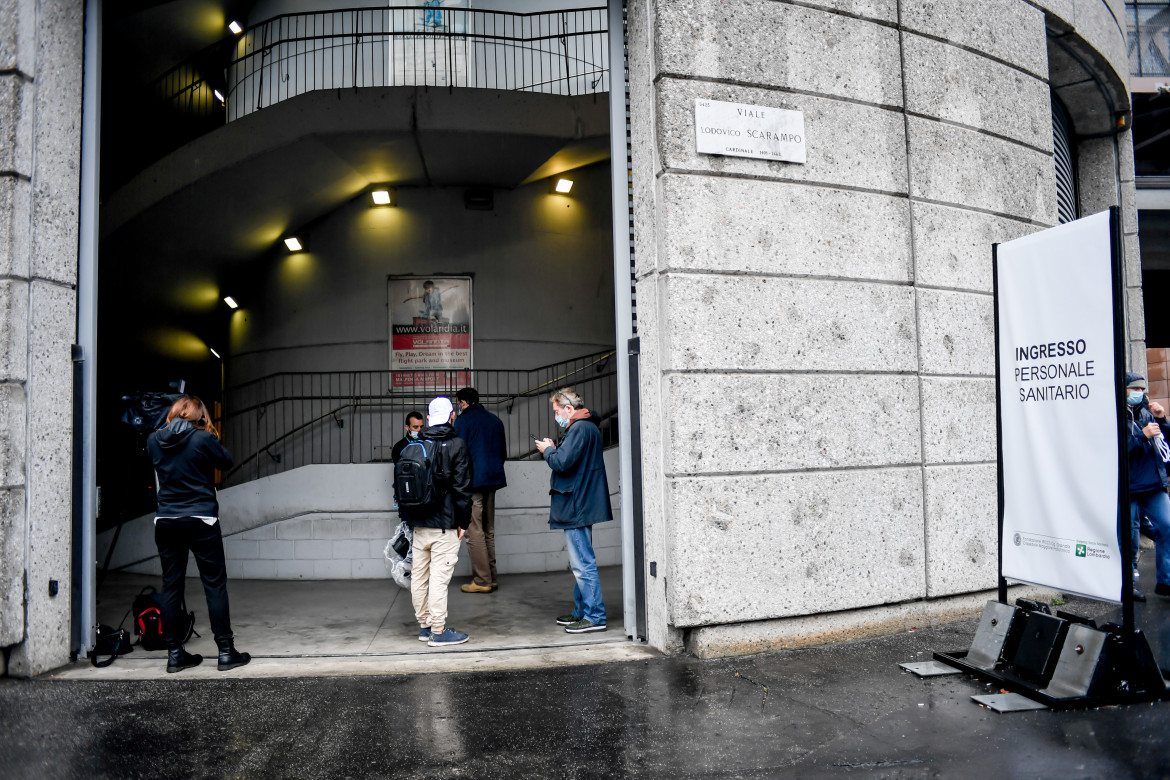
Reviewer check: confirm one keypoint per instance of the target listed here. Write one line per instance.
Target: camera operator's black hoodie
(185, 459)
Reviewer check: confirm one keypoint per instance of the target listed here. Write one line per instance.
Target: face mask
(1135, 397)
(562, 421)
(413, 434)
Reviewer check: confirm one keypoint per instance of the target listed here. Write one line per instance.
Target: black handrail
(592, 357)
(302, 417)
(494, 38)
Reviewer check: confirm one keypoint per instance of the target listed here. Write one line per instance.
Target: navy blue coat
(484, 435)
(579, 489)
(1146, 470)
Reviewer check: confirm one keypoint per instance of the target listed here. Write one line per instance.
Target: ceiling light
(215, 353)
(382, 197)
(218, 95)
(563, 186)
(231, 302)
(234, 26)
(294, 244)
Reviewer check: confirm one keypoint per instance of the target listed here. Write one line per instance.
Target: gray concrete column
(40, 113)
(817, 377)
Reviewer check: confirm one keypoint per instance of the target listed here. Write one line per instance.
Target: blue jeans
(587, 601)
(1155, 505)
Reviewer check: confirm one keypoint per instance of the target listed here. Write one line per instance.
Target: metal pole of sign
(998, 422)
(1123, 516)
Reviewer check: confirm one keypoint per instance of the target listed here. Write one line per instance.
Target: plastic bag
(400, 565)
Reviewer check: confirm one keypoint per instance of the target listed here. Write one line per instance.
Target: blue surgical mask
(1134, 397)
(562, 421)
(412, 434)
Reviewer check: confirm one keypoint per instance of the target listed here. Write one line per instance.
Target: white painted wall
(543, 289)
(332, 522)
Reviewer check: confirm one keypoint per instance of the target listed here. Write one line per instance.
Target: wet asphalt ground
(839, 711)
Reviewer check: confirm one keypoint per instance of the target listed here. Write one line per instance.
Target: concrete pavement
(837, 711)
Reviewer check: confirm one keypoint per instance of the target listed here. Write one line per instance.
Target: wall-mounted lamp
(231, 302)
(215, 353)
(562, 186)
(384, 196)
(234, 26)
(294, 244)
(218, 95)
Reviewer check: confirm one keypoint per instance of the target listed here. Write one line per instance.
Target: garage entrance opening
(264, 208)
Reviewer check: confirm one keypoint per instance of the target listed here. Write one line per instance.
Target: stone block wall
(817, 363)
(40, 124)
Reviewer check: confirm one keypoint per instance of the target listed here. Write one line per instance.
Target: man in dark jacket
(1148, 429)
(484, 434)
(439, 526)
(411, 429)
(580, 498)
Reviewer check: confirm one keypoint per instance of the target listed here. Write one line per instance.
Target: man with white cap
(439, 524)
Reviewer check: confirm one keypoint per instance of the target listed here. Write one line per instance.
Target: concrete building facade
(817, 340)
(816, 372)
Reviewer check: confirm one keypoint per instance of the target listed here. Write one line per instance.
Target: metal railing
(292, 419)
(1148, 38)
(558, 52)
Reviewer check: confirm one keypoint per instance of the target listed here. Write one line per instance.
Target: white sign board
(1058, 409)
(741, 130)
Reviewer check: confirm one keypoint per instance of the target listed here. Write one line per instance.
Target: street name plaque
(741, 130)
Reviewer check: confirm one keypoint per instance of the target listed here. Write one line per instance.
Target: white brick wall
(349, 544)
(334, 546)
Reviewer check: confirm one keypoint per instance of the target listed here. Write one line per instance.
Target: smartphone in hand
(533, 435)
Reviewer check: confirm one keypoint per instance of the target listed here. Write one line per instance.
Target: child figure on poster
(432, 298)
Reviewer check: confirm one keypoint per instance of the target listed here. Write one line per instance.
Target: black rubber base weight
(1025, 688)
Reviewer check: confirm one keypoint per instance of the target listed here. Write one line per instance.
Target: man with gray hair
(580, 499)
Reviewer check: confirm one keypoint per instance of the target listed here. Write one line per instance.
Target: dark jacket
(185, 459)
(454, 484)
(1146, 470)
(579, 489)
(399, 446)
(484, 434)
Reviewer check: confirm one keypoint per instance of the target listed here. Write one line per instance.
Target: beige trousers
(435, 554)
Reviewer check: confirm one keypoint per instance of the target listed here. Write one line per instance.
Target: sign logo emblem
(1016, 539)
(1081, 551)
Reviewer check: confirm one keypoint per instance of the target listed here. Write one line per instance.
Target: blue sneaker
(424, 635)
(446, 638)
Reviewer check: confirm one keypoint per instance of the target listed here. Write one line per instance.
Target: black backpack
(417, 475)
(148, 623)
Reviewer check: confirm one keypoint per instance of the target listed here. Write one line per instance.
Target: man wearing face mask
(484, 434)
(1148, 429)
(580, 499)
(411, 428)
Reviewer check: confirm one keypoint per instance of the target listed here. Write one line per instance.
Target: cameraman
(185, 453)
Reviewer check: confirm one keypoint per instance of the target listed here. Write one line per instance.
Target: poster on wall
(430, 332)
(432, 57)
(1058, 408)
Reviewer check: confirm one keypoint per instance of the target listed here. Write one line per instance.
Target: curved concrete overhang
(277, 169)
(1088, 62)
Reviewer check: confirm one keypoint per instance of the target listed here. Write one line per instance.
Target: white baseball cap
(439, 411)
